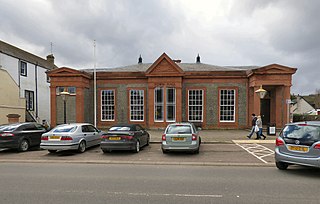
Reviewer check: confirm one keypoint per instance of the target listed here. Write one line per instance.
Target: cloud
(224, 32)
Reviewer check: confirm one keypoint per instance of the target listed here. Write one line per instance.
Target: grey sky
(224, 32)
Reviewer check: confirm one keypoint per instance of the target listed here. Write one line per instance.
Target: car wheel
(137, 147)
(82, 147)
(148, 141)
(164, 151)
(23, 146)
(106, 151)
(197, 151)
(52, 151)
(282, 165)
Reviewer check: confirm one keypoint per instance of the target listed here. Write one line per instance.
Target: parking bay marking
(257, 150)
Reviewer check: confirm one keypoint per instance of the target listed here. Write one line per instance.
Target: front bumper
(281, 157)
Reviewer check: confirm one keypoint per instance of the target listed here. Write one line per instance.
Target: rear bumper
(9, 144)
(73, 146)
(180, 147)
(118, 145)
(281, 157)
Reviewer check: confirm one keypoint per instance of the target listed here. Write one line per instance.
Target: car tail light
(6, 134)
(194, 137)
(164, 137)
(66, 138)
(127, 137)
(104, 137)
(317, 146)
(44, 138)
(279, 142)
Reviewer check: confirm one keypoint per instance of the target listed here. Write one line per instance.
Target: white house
(305, 105)
(29, 73)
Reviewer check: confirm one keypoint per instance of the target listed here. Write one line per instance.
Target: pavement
(218, 136)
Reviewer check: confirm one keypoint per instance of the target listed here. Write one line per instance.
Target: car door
(89, 135)
(28, 131)
(140, 135)
(95, 134)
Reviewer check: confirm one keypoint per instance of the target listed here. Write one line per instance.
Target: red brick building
(165, 91)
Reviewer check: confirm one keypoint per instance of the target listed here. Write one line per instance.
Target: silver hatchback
(298, 143)
(181, 137)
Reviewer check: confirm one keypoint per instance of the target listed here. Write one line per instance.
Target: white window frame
(29, 96)
(171, 104)
(136, 98)
(227, 103)
(109, 107)
(195, 105)
(23, 68)
(158, 104)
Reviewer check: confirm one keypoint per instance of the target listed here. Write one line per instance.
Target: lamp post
(64, 95)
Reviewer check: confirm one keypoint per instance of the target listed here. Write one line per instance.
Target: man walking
(253, 123)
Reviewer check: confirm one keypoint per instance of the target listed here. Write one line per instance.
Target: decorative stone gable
(164, 66)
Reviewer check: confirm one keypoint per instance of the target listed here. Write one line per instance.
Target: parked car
(298, 143)
(74, 136)
(181, 137)
(21, 136)
(125, 137)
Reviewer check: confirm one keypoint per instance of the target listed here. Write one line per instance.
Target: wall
(10, 101)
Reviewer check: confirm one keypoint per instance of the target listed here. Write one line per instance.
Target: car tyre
(137, 147)
(106, 151)
(82, 147)
(148, 141)
(282, 165)
(164, 151)
(197, 150)
(52, 151)
(23, 145)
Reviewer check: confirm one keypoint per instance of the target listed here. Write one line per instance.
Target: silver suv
(298, 143)
(181, 137)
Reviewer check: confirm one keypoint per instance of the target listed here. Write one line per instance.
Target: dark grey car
(298, 143)
(125, 137)
(21, 136)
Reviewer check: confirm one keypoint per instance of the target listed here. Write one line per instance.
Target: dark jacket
(254, 119)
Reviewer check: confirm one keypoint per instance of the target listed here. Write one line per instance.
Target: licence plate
(298, 148)
(55, 137)
(114, 138)
(179, 139)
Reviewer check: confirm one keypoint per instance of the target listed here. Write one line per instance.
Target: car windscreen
(306, 132)
(65, 128)
(179, 129)
(119, 128)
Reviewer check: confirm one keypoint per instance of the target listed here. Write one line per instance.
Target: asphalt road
(210, 154)
(122, 183)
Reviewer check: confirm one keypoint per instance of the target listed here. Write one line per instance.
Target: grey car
(75, 136)
(181, 137)
(298, 143)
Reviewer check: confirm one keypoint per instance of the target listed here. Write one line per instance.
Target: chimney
(140, 60)
(177, 61)
(198, 59)
(50, 59)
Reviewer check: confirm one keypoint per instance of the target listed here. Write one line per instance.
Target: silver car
(181, 137)
(75, 136)
(298, 143)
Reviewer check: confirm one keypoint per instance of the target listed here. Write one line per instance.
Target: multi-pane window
(158, 104)
(136, 105)
(195, 105)
(227, 105)
(29, 95)
(171, 104)
(23, 68)
(107, 105)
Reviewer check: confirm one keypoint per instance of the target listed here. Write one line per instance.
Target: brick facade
(180, 79)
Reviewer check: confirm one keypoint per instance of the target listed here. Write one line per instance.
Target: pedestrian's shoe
(257, 138)
(248, 137)
(264, 137)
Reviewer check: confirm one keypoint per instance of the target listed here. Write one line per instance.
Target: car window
(179, 129)
(307, 132)
(119, 128)
(92, 129)
(65, 128)
(40, 127)
(9, 127)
